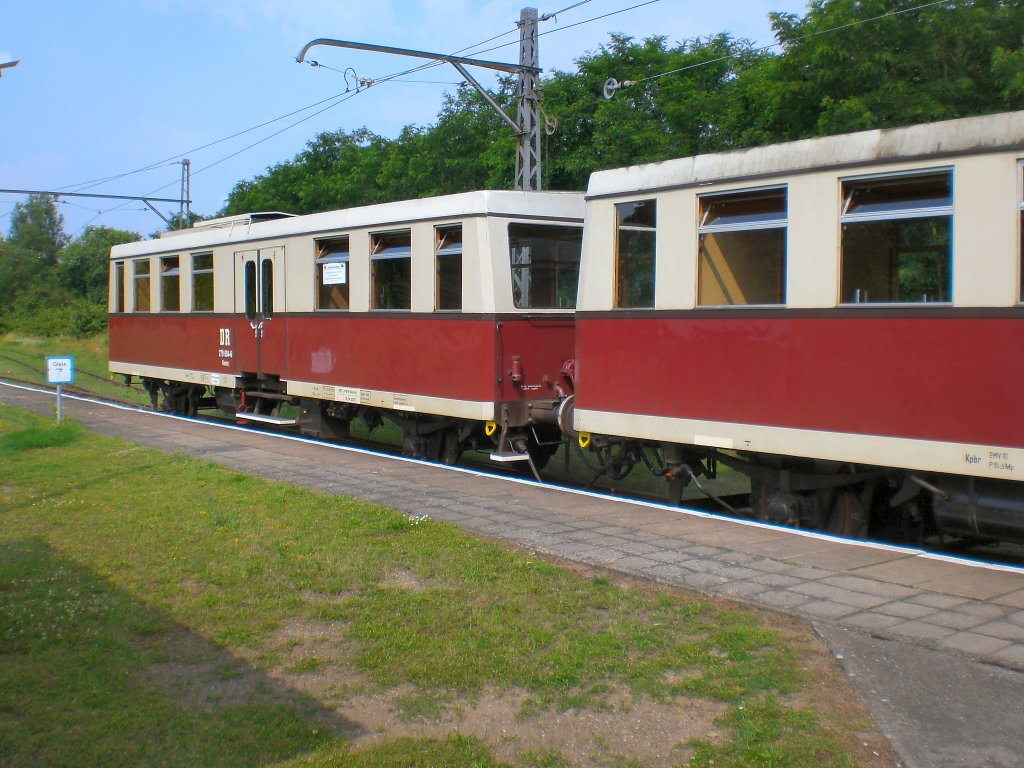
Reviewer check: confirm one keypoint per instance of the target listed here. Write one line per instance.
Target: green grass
(142, 599)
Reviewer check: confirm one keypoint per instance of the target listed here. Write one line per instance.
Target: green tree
(84, 263)
(847, 65)
(678, 106)
(337, 169)
(37, 227)
(31, 249)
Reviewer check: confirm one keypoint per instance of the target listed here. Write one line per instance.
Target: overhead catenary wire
(96, 182)
(576, 24)
(567, 8)
(244, 149)
(175, 159)
(598, 18)
(272, 135)
(341, 99)
(475, 50)
(613, 87)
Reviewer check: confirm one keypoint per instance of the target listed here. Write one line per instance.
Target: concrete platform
(965, 613)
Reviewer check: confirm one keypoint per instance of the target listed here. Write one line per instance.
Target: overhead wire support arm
(525, 128)
(498, 65)
(184, 201)
(58, 194)
(459, 62)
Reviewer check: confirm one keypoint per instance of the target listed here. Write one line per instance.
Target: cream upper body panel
(483, 217)
(982, 156)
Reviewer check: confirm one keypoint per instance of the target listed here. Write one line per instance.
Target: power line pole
(184, 213)
(528, 140)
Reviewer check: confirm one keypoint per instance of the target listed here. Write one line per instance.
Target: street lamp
(6, 62)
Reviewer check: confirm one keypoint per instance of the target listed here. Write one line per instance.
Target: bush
(44, 312)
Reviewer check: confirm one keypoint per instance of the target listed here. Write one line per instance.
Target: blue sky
(104, 89)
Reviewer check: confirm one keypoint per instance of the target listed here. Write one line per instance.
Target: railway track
(1006, 553)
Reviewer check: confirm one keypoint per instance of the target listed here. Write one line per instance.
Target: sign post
(60, 370)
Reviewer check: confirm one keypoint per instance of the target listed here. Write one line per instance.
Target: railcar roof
(970, 135)
(566, 206)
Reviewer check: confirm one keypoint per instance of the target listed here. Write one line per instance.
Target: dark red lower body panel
(455, 357)
(189, 342)
(956, 379)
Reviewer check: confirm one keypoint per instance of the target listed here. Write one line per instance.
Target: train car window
(634, 253)
(250, 290)
(117, 305)
(448, 268)
(332, 282)
(267, 288)
(141, 271)
(896, 244)
(391, 270)
(1020, 255)
(170, 284)
(742, 248)
(545, 262)
(202, 282)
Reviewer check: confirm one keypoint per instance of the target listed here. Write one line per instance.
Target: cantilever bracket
(459, 62)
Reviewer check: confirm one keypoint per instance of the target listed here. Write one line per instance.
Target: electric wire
(576, 24)
(474, 47)
(272, 135)
(568, 8)
(168, 161)
(358, 90)
(762, 49)
(598, 18)
(96, 182)
(475, 50)
(244, 149)
(172, 160)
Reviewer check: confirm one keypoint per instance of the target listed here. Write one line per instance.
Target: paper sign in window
(335, 273)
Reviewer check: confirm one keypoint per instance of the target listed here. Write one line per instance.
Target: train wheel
(180, 399)
(451, 446)
(847, 517)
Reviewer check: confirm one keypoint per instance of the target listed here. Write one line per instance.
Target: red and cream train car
(839, 318)
(452, 316)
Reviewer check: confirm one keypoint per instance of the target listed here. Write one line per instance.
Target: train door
(260, 327)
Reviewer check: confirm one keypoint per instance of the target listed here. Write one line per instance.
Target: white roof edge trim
(1001, 131)
(499, 203)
